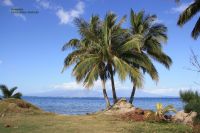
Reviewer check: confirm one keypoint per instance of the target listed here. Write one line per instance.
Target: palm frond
(73, 43)
(134, 42)
(12, 90)
(124, 69)
(188, 13)
(161, 58)
(17, 95)
(196, 29)
(91, 76)
(168, 109)
(158, 31)
(5, 91)
(73, 58)
(83, 67)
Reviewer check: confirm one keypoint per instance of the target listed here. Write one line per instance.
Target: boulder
(185, 118)
(121, 107)
(122, 103)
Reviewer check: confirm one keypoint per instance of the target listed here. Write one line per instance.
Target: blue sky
(30, 44)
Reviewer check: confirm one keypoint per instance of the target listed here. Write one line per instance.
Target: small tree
(161, 111)
(9, 93)
(192, 100)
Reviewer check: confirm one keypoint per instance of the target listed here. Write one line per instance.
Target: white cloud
(45, 4)
(68, 16)
(65, 16)
(19, 15)
(180, 8)
(164, 91)
(8, 2)
(97, 85)
(124, 89)
(75, 86)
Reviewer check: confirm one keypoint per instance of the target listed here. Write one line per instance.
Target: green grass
(99, 123)
(22, 117)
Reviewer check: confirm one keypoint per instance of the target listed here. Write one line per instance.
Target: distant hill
(90, 93)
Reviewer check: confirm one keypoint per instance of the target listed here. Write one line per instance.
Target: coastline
(31, 119)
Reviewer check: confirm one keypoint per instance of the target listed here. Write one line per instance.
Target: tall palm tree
(150, 36)
(188, 14)
(111, 30)
(88, 66)
(9, 93)
(112, 48)
(97, 52)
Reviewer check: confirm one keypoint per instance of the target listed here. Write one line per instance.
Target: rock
(122, 103)
(190, 118)
(121, 107)
(185, 118)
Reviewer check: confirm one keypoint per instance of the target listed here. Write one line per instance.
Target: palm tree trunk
(105, 94)
(132, 94)
(113, 84)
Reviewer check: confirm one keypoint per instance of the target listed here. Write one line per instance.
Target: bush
(193, 106)
(189, 95)
(192, 100)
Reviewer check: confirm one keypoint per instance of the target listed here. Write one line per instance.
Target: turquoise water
(75, 106)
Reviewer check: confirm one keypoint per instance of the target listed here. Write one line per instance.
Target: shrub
(161, 113)
(189, 95)
(192, 102)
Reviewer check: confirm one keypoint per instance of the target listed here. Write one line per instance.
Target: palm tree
(97, 53)
(113, 42)
(88, 66)
(111, 31)
(9, 93)
(188, 14)
(150, 36)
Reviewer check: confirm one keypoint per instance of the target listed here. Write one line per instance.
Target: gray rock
(121, 107)
(185, 118)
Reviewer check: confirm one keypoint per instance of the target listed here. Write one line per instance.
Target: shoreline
(22, 117)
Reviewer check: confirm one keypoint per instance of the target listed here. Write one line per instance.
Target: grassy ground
(18, 116)
(49, 123)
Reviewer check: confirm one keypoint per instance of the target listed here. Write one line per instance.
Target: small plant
(160, 111)
(9, 93)
(160, 114)
(192, 102)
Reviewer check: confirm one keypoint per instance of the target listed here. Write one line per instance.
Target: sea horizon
(85, 105)
(98, 97)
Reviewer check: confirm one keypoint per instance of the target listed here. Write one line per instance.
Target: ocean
(78, 106)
